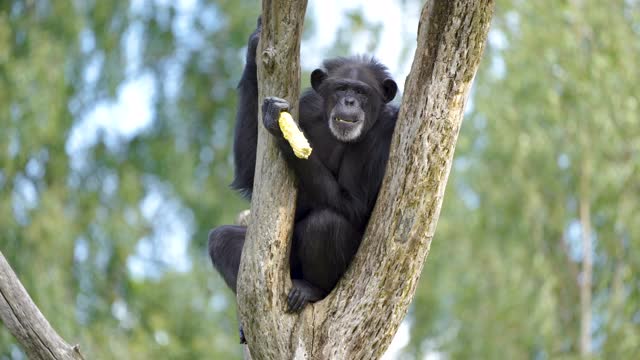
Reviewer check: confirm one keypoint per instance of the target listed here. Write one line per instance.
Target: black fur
(349, 123)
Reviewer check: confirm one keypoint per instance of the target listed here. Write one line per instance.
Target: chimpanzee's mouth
(345, 120)
(346, 127)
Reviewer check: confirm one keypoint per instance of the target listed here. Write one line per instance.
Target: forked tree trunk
(359, 318)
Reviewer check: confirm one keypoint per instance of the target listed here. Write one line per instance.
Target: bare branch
(25, 321)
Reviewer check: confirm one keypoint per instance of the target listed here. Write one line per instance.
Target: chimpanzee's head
(354, 91)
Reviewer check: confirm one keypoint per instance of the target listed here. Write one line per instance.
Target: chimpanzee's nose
(349, 101)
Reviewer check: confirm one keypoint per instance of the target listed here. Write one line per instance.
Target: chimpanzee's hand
(271, 109)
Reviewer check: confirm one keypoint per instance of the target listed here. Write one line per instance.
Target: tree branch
(264, 269)
(25, 321)
(387, 267)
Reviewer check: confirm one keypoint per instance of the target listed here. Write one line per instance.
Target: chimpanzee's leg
(324, 245)
(225, 249)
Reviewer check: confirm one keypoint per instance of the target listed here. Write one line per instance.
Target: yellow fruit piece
(290, 131)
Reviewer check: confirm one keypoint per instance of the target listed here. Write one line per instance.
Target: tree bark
(264, 269)
(359, 318)
(25, 321)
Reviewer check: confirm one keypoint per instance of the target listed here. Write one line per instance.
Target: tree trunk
(359, 318)
(25, 321)
(264, 270)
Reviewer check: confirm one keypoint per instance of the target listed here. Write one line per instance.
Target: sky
(398, 24)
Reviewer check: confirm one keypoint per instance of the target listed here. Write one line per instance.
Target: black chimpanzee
(348, 120)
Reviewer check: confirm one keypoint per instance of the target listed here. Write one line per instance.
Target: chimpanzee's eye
(341, 88)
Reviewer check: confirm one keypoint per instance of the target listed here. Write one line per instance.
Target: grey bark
(24, 320)
(264, 270)
(359, 318)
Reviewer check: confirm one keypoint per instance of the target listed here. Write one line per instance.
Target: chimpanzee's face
(352, 102)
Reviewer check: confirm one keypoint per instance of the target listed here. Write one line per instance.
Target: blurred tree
(545, 178)
(99, 198)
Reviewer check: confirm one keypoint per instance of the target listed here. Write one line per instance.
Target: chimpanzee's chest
(345, 161)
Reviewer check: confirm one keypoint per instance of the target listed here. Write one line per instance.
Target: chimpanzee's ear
(389, 89)
(317, 77)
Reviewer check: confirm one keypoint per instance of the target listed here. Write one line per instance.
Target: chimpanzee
(348, 120)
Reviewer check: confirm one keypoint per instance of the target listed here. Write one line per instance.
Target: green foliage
(75, 196)
(557, 94)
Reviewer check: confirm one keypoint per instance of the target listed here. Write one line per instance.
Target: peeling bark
(359, 318)
(24, 320)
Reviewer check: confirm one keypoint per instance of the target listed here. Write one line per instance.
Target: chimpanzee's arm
(322, 187)
(314, 177)
(246, 131)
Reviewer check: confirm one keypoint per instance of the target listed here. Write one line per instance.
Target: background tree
(97, 214)
(551, 132)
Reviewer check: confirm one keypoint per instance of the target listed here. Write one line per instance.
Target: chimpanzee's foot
(301, 294)
(243, 340)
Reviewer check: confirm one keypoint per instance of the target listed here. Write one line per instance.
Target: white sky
(398, 26)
